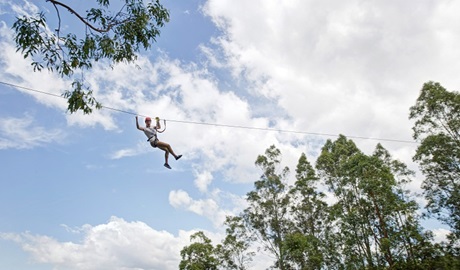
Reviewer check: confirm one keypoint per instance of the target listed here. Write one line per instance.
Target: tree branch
(109, 27)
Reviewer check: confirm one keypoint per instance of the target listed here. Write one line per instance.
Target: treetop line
(222, 125)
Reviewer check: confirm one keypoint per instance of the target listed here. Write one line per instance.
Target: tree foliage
(200, 255)
(112, 34)
(378, 224)
(371, 220)
(437, 126)
(268, 206)
(234, 251)
(309, 244)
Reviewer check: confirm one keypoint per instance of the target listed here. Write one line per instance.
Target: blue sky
(77, 191)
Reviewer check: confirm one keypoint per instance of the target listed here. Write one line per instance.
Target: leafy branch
(118, 38)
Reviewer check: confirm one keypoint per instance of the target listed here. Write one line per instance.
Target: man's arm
(137, 125)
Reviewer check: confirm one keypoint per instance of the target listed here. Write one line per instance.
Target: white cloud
(115, 245)
(178, 198)
(23, 133)
(26, 8)
(339, 67)
(118, 245)
(18, 71)
(208, 207)
(140, 148)
(123, 153)
(203, 179)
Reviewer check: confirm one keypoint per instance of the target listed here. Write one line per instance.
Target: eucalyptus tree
(110, 31)
(377, 220)
(234, 252)
(398, 233)
(200, 255)
(437, 127)
(310, 243)
(266, 217)
(353, 240)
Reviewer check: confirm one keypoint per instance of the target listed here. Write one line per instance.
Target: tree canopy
(108, 31)
(199, 255)
(370, 221)
(437, 126)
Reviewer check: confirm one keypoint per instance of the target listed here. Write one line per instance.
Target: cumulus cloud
(339, 67)
(180, 198)
(208, 207)
(203, 179)
(117, 244)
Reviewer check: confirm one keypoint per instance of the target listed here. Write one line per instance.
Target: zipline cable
(221, 125)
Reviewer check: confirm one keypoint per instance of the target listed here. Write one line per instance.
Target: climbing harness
(154, 137)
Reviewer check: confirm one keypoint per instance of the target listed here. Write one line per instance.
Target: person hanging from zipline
(151, 133)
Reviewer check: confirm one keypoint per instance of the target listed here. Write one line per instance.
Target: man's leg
(166, 147)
